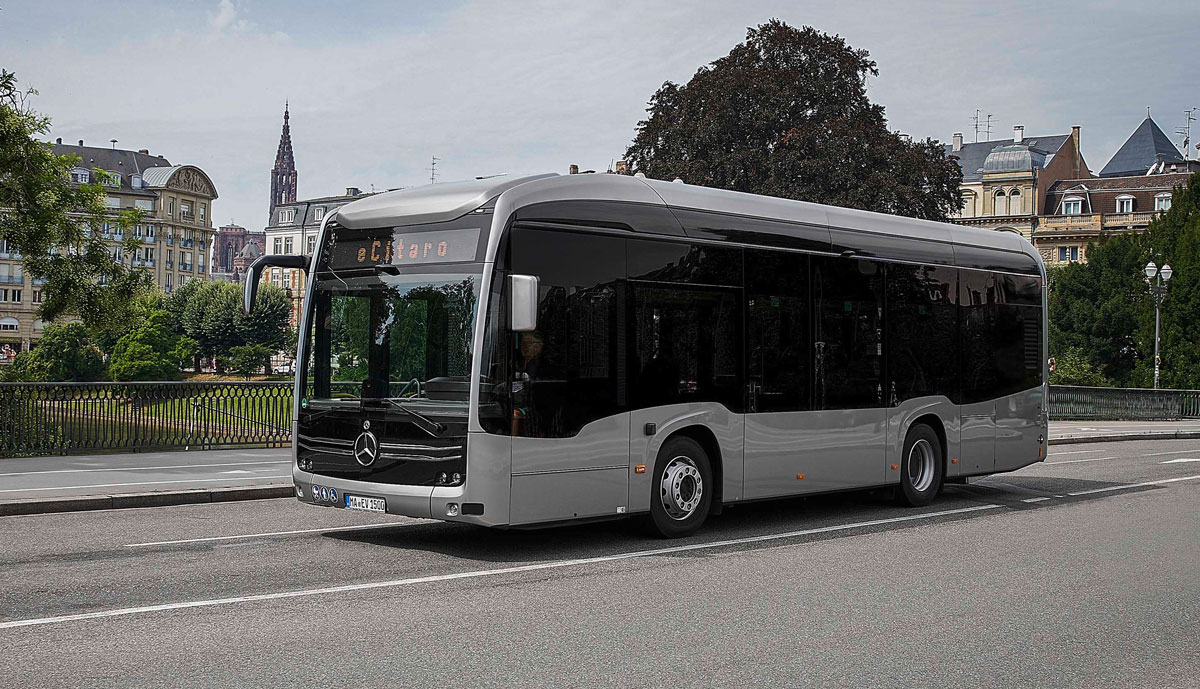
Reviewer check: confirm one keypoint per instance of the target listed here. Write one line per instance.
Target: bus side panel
(798, 452)
(585, 475)
(1018, 430)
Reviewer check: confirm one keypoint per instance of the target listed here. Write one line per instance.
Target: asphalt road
(1080, 572)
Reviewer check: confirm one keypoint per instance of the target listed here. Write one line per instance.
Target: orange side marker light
(799, 475)
(895, 467)
(639, 469)
(954, 461)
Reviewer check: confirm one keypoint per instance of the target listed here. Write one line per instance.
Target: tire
(922, 467)
(681, 491)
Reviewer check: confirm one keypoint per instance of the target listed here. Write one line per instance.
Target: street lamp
(1158, 280)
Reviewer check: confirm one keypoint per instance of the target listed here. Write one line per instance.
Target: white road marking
(1181, 459)
(135, 483)
(1143, 484)
(235, 471)
(1073, 452)
(475, 574)
(1172, 452)
(210, 539)
(177, 466)
(1038, 499)
(1075, 461)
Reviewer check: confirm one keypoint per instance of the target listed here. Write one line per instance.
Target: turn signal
(954, 461)
(799, 475)
(639, 469)
(895, 467)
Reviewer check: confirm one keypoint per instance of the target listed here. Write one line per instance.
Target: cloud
(226, 18)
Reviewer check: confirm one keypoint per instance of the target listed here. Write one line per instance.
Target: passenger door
(980, 382)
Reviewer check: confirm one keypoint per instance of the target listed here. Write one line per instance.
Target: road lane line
(1076, 461)
(1073, 452)
(1037, 499)
(1181, 459)
(177, 466)
(138, 483)
(1172, 452)
(209, 539)
(475, 574)
(1143, 484)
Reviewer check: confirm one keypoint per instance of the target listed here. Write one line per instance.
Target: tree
(64, 353)
(212, 315)
(249, 359)
(184, 353)
(1072, 367)
(56, 225)
(786, 114)
(147, 352)
(1103, 309)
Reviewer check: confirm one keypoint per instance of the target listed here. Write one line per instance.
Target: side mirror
(523, 300)
(254, 273)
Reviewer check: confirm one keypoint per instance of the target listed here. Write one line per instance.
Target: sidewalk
(32, 485)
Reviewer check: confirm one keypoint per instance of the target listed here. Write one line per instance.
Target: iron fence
(1068, 402)
(61, 418)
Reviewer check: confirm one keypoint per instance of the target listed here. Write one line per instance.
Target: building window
(80, 176)
(287, 245)
(203, 210)
(1124, 204)
(9, 324)
(135, 181)
(16, 296)
(112, 179)
(168, 283)
(116, 254)
(112, 202)
(1001, 205)
(185, 209)
(287, 216)
(1162, 202)
(1068, 254)
(1014, 202)
(37, 296)
(312, 244)
(278, 246)
(318, 212)
(1072, 205)
(171, 207)
(144, 204)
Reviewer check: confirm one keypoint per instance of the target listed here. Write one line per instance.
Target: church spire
(283, 175)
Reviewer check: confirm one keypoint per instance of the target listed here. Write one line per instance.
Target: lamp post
(1158, 280)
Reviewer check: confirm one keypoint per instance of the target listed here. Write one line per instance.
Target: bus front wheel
(682, 490)
(922, 467)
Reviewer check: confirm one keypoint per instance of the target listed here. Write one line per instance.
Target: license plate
(358, 502)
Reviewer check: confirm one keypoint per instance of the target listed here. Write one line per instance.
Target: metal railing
(1069, 402)
(62, 418)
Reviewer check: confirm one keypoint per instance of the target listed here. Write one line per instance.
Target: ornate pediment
(192, 180)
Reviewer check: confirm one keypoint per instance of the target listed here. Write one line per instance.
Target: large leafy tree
(65, 353)
(55, 225)
(1102, 310)
(212, 315)
(786, 114)
(147, 352)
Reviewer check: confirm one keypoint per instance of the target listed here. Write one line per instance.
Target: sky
(378, 88)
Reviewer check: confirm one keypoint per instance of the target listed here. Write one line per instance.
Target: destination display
(405, 246)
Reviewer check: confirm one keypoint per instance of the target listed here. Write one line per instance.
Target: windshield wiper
(419, 420)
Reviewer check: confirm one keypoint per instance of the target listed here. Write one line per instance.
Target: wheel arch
(708, 442)
(935, 422)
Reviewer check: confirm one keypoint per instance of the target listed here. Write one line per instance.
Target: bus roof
(872, 233)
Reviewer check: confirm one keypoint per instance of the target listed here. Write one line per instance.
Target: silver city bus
(516, 352)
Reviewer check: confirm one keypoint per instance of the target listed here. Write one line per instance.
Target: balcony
(200, 268)
(143, 262)
(12, 279)
(1086, 221)
(118, 236)
(185, 266)
(170, 264)
(187, 243)
(38, 282)
(1130, 220)
(170, 241)
(148, 240)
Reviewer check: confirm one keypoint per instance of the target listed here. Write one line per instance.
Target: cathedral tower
(283, 175)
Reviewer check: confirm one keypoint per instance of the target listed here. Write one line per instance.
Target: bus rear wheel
(922, 467)
(682, 490)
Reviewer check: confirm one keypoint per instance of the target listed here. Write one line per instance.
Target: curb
(158, 499)
(1118, 437)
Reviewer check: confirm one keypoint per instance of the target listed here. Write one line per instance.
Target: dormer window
(287, 216)
(1072, 205)
(1124, 203)
(80, 176)
(318, 212)
(135, 181)
(112, 179)
(1162, 202)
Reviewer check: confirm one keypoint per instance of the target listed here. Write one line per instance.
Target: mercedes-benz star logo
(366, 448)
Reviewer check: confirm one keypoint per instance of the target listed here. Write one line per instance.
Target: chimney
(957, 141)
(622, 167)
(1018, 133)
(58, 141)
(353, 191)
(144, 151)
(1078, 152)
(574, 170)
(81, 142)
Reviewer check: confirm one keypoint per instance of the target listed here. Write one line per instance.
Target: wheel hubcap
(921, 465)
(681, 488)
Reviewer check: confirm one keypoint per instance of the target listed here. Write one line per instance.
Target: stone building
(174, 239)
(1005, 182)
(227, 247)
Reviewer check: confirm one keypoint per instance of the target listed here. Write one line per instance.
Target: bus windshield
(390, 336)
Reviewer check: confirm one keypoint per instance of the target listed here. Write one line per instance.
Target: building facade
(1005, 182)
(174, 237)
(228, 245)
